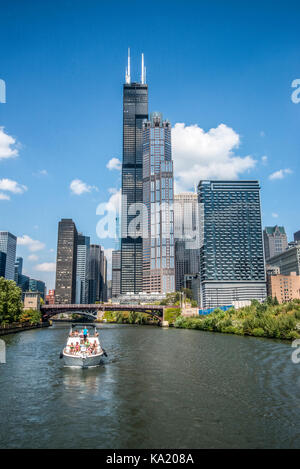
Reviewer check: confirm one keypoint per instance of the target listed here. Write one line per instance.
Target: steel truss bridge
(92, 310)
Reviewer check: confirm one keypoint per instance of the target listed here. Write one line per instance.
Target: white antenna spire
(127, 75)
(145, 76)
(143, 70)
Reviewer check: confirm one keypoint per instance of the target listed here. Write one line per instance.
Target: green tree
(10, 301)
(31, 315)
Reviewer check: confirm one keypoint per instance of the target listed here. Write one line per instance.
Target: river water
(160, 388)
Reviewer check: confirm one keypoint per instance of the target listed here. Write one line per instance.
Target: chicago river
(160, 388)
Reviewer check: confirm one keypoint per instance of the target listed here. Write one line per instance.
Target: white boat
(83, 348)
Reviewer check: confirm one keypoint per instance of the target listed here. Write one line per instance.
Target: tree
(31, 315)
(10, 301)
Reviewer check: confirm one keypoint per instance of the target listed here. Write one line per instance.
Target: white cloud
(8, 148)
(79, 187)
(206, 155)
(280, 174)
(9, 185)
(275, 215)
(33, 258)
(114, 202)
(114, 163)
(264, 160)
(4, 196)
(32, 244)
(46, 267)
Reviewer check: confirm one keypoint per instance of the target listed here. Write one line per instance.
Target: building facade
(8, 245)
(82, 269)
(135, 111)
(284, 287)
(37, 286)
(275, 241)
(95, 273)
(232, 264)
(50, 298)
(288, 261)
(158, 197)
(2, 263)
(65, 285)
(116, 274)
(186, 229)
(297, 236)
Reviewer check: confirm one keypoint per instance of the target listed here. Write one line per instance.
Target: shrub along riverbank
(260, 320)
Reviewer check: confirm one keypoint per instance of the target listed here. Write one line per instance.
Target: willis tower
(135, 111)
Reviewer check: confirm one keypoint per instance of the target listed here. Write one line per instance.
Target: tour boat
(83, 348)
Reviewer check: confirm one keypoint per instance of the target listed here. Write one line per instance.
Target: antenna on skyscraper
(143, 78)
(127, 75)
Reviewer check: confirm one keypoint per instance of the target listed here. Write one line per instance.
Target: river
(160, 388)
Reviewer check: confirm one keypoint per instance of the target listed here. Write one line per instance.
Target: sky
(220, 71)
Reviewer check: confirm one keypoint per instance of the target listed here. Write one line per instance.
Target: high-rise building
(18, 268)
(297, 236)
(275, 241)
(95, 273)
(82, 272)
(186, 231)
(232, 264)
(8, 245)
(158, 196)
(37, 286)
(65, 287)
(116, 274)
(135, 111)
(2, 263)
(288, 261)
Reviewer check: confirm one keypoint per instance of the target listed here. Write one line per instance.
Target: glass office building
(82, 269)
(8, 245)
(158, 195)
(232, 264)
(135, 111)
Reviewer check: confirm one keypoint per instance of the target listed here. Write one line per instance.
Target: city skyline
(62, 137)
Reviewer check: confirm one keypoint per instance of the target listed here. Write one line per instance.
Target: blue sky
(223, 65)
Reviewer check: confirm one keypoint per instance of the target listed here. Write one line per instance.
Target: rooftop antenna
(143, 80)
(127, 75)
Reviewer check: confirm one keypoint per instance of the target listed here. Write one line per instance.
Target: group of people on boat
(84, 333)
(90, 348)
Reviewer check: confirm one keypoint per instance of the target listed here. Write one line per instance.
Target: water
(160, 388)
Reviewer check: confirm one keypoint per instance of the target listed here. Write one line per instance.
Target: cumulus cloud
(8, 146)
(4, 196)
(114, 163)
(33, 258)
(206, 155)
(79, 187)
(9, 185)
(280, 174)
(32, 244)
(46, 267)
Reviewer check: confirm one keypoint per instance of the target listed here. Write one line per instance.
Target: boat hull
(82, 362)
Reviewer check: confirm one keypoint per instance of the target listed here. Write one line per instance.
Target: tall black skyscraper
(135, 111)
(65, 286)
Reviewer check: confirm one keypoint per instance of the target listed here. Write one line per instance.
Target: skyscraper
(95, 273)
(8, 245)
(2, 263)
(135, 111)
(158, 224)
(18, 268)
(65, 287)
(37, 286)
(82, 269)
(116, 274)
(231, 246)
(186, 231)
(275, 241)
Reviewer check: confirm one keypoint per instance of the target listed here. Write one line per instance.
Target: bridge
(92, 310)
